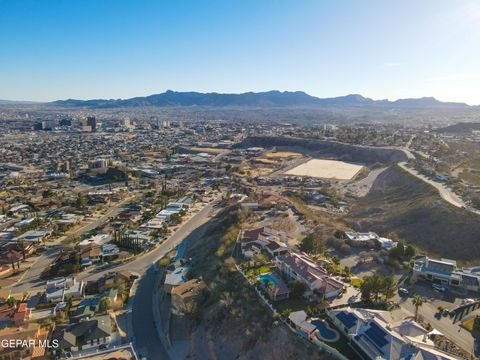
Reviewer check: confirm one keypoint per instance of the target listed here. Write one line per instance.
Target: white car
(440, 288)
(403, 291)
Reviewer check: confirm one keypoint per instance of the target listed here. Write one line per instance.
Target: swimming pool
(268, 277)
(326, 332)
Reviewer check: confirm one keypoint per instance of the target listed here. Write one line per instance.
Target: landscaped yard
(292, 304)
(355, 281)
(262, 269)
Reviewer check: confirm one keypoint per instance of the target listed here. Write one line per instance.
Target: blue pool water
(325, 331)
(268, 278)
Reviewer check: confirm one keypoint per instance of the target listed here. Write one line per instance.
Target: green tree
(410, 252)
(388, 287)
(105, 303)
(312, 243)
(398, 251)
(81, 202)
(366, 288)
(298, 289)
(11, 301)
(417, 301)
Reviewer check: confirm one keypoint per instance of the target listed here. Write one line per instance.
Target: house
(33, 236)
(369, 239)
(175, 277)
(106, 282)
(276, 248)
(100, 240)
(361, 239)
(69, 219)
(90, 254)
(42, 314)
(156, 223)
(300, 266)
(109, 251)
(251, 250)
(445, 271)
(86, 309)
(6, 315)
(83, 335)
(185, 201)
(299, 320)
(24, 222)
(21, 315)
(267, 238)
(60, 289)
(186, 295)
(29, 333)
(19, 209)
(375, 335)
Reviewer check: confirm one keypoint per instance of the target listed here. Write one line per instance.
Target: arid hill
(401, 203)
(329, 149)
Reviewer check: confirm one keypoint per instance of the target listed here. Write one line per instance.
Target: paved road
(443, 324)
(143, 262)
(31, 281)
(445, 193)
(146, 340)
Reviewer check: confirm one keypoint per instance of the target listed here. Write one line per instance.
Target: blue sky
(53, 49)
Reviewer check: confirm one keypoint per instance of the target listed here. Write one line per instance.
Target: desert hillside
(401, 203)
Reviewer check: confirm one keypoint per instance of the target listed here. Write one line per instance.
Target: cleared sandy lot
(326, 169)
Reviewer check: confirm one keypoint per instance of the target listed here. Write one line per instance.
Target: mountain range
(255, 99)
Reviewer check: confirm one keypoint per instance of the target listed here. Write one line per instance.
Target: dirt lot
(326, 169)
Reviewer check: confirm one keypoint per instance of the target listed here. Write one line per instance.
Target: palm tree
(417, 301)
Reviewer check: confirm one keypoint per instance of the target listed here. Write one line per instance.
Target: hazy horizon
(225, 93)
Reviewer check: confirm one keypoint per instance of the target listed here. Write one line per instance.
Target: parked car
(468, 301)
(439, 287)
(403, 291)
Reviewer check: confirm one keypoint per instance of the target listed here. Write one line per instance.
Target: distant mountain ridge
(272, 98)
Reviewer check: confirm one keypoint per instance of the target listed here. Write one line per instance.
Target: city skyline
(383, 50)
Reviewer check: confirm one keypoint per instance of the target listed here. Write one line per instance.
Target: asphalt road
(143, 262)
(146, 340)
(445, 193)
(429, 312)
(31, 280)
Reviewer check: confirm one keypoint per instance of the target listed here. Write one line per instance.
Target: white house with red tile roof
(300, 266)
